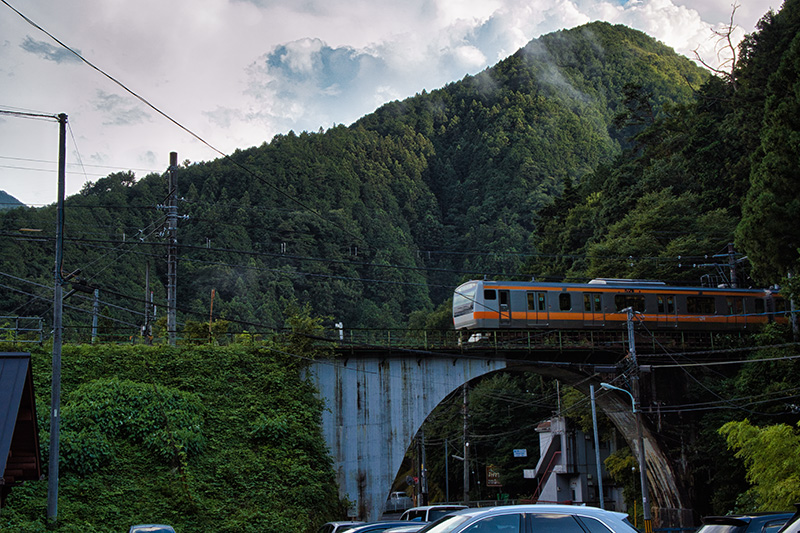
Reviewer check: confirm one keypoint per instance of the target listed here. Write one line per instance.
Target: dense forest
(591, 152)
(374, 223)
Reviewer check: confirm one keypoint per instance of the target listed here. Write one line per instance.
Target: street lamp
(648, 524)
(609, 386)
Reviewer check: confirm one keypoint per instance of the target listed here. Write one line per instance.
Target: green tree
(765, 231)
(771, 455)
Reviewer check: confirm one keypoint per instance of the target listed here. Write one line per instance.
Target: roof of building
(19, 434)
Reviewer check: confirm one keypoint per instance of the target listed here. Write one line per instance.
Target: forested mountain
(373, 222)
(594, 151)
(8, 202)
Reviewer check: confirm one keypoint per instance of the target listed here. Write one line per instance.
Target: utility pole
(732, 265)
(648, 522)
(597, 449)
(55, 395)
(446, 472)
(466, 447)
(423, 477)
(172, 258)
(95, 313)
(146, 327)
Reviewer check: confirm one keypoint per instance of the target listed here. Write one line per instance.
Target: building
(567, 469)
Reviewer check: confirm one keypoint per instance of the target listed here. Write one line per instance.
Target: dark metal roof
(19, 433)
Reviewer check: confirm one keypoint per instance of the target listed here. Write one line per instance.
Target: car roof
(744, 518)
(373, 525)
(543, 508)
(437, 506)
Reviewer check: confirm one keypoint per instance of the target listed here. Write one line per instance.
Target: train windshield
(464, 297)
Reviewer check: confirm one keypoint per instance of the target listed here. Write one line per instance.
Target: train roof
(612, 283)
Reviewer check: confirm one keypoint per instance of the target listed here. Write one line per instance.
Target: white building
(567, 469)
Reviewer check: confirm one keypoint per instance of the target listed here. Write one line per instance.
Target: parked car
(407, 529)
(535, 517)
(398, 501)
(151, 528)
(793, 524)
(339, 526)
(750, 523)
(379, 526)
(429, 513)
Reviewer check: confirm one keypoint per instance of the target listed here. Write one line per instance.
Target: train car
(602, 303)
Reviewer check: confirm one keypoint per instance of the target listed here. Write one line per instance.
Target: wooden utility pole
(55, 395)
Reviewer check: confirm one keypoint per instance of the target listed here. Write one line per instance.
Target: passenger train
(603, 303)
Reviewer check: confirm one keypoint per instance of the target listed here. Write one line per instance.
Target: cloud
(48, 51)
(118, 110)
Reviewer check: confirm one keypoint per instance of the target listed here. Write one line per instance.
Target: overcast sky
(237, 72)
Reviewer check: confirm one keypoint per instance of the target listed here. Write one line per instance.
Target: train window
(564, 301)
(531, 301)
(700, 305)
(666, 304)
(623, 301)
(780, 304)
(760, 306)
(489, 294)
(587, 302)
(503, 297)
(735, 305)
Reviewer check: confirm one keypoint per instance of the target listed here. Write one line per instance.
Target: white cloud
(237, 72)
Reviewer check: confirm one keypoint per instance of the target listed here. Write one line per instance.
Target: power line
(143, 100)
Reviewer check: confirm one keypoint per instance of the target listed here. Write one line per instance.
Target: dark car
(382, 525)
(793, 525)
(151, 528)
(750, 523)
(339, 527)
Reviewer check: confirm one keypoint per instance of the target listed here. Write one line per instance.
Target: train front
(465, 301)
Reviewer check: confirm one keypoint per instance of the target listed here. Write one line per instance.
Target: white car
(430, 513)
(534, 518)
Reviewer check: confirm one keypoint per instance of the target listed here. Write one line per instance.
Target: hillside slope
(370, 223)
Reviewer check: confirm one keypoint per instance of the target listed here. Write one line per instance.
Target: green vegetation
(203, 438)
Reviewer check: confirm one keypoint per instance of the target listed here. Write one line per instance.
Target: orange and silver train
(603, 303)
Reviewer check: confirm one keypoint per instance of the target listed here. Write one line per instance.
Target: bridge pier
(374, 407)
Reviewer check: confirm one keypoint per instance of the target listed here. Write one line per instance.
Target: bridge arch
(374, 407)
(376, 403)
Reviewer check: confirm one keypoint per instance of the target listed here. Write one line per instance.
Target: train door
(537, 308)
(666, 310)
(735, 308)
(504, 299)
(593, 309)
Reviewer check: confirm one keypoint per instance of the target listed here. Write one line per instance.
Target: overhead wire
(169, 118)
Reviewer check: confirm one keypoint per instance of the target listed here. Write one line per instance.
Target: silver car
(532, 518)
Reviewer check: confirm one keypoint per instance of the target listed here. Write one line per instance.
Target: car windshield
(445, 524)
(719, 528)
(436, 514)
(793, 528)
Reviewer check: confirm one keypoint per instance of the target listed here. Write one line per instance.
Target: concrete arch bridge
(377, 399)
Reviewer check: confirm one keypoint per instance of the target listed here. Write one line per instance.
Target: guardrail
(21, 329)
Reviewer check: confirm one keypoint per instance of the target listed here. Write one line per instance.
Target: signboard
(529, 473)
(493, 476)
(521, 453)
